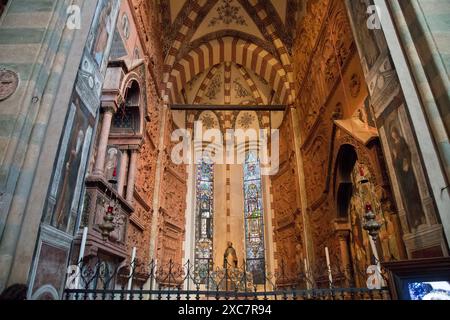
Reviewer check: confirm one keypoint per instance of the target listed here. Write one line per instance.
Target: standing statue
(230, 256)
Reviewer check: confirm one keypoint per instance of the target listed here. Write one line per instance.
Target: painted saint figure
(102, 34)
(69, 182)
(402, 160)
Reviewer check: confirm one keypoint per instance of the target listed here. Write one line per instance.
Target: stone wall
(400, 109)
(45, 55)
(424, 30)
(287, 221)
(334, 112)
(172, 206)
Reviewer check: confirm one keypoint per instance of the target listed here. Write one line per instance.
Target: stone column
(343, 235)
(307, 235)
(131, 175)
(123, 172)
(103, 142)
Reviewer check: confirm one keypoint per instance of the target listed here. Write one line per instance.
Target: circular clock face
(8, 83)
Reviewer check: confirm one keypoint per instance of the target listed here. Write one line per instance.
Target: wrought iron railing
(94, 279)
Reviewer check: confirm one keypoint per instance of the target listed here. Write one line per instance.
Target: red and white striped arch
(251, 84)
(229, 49)
(205, 84)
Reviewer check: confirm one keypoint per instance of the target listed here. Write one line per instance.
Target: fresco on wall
(422, 232)
(102, 30)
(370, 50)
(96, 55)
(67, 188)
(72, 169)
(362, 248)
(403, 163)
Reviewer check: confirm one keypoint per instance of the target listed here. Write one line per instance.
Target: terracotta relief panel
(145, 177)
(330, 88)
(172, 207)
(287, 226)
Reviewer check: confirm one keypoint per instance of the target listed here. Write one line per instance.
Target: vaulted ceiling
(228, 51)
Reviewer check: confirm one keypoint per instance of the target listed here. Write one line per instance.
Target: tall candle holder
(370, 222)
(373, 227)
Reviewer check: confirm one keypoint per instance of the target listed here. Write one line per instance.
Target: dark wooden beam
(205, 107)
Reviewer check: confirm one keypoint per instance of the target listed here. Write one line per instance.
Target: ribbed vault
(254, 34)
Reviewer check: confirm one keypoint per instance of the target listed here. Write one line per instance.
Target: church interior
(298, 144)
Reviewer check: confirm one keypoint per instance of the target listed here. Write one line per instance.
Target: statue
(230, 256)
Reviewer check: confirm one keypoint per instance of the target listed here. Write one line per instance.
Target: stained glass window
(254, 218)
(204, 219)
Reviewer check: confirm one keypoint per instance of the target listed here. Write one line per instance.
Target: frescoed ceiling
(228, 83)
(233, 47)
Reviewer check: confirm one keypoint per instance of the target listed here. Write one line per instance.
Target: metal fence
(101, 280)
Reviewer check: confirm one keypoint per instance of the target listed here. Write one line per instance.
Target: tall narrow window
(204, 219)
(254, 218)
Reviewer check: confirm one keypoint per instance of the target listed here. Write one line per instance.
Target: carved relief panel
(288, 225)
(172, 206)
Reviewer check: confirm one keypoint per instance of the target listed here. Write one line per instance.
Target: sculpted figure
(230, 256)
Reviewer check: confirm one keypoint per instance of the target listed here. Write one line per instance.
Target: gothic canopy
(228, 51)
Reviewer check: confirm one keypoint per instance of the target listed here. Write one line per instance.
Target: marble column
(123, 172)
(103, 142)
(131, 175)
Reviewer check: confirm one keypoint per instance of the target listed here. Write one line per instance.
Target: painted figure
(402, 160)
(69, 181)
(103, 31)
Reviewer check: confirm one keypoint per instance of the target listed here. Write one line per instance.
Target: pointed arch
(229, 49)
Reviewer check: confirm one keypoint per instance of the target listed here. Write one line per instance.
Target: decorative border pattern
(186, 24)
(235, 50)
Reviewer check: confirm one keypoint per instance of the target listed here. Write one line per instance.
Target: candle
(81, 256)
(306, 267)
(330, 276)
(327, 255)
(130, 279)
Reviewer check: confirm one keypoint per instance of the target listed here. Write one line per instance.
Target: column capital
(129, 147)
(111, 100)
(342, 229)
(108, 107)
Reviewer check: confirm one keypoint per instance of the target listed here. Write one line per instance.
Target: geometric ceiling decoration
(243, 45)
(228, 83)
(228, 15)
